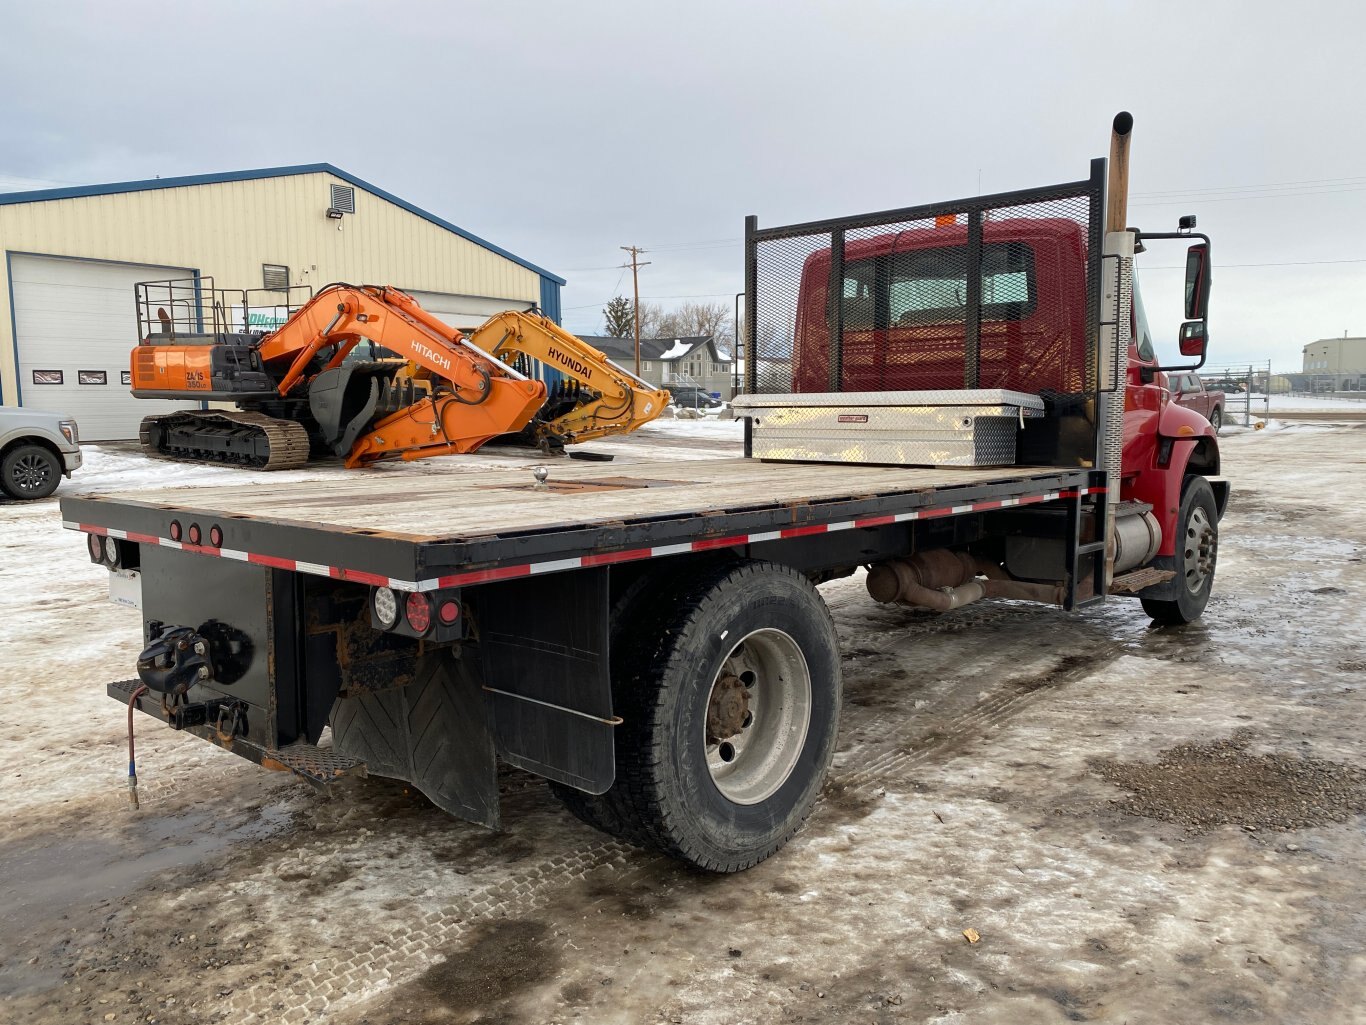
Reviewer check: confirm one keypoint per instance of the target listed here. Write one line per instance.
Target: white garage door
(465, 311)
(76, 325)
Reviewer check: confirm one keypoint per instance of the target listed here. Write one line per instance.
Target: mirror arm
(1174, 234)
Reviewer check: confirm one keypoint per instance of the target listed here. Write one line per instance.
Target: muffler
(943, 580)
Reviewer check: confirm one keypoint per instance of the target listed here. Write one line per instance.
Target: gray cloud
(565, 130)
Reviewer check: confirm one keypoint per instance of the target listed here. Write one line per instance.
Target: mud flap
(433, 733)
(544, 644)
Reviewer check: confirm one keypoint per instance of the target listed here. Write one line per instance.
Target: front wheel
(1216, 419)
(730, 717)
(1197, 551)
(30, 471)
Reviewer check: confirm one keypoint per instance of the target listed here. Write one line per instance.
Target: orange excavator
(303, 388)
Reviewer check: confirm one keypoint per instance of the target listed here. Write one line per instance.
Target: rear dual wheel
(729, 688)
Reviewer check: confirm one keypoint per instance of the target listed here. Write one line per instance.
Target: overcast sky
(564, 130)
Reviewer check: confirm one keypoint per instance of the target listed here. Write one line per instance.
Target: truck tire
(1197, 551)
(1216, 418)
(731, 706)
(30, 471)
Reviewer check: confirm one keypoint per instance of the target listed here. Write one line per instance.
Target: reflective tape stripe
(484, 576)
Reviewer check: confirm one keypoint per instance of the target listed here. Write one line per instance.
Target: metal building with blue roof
(72, 256)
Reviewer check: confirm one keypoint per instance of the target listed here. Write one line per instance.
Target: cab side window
(1138, 323)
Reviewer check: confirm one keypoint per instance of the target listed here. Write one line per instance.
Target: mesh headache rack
(930, 335)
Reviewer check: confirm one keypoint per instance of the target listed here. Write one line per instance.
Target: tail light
(434, 616)
(418, 611)
(111, 551)
(385, 604)
(216, 536)
(95, 545)
(175, 530)
(195, 534)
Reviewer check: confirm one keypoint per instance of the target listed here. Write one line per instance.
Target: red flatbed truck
(960, 397)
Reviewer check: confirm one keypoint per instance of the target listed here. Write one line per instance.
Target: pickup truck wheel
(1216, 418)
(1197, 551)
(30, 471)
(730, 715)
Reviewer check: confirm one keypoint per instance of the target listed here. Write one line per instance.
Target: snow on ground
(965, 795)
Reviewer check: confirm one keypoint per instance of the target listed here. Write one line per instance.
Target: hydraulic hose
(132, 758)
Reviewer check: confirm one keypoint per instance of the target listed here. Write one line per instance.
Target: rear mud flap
(433, 733)
(544, 644)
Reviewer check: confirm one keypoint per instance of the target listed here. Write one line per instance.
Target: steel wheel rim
(752, 764)
(30, 473)
(1201, 545)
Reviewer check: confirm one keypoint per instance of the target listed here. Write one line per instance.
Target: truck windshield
(929, 286)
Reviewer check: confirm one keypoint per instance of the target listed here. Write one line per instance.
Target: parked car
(36, 450)
(691, 397)
(1189, 390)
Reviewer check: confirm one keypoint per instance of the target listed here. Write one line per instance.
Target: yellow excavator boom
(609, 399)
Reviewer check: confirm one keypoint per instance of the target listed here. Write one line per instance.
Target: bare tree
(651, 321)
(696, 319)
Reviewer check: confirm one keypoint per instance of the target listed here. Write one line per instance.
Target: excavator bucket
(344, 401)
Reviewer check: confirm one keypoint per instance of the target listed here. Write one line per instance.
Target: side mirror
(1197, 284)
(1193, 340)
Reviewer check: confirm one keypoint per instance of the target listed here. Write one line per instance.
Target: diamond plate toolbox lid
(970, 427)
(958, 397)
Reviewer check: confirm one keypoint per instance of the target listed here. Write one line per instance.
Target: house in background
(697, 361)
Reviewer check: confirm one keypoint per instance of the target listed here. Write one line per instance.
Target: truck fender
(1186, 445)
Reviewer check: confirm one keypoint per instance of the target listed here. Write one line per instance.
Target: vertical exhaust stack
(1119, 242)
(1117, 205)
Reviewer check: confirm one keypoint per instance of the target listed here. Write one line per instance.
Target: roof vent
(344, 199)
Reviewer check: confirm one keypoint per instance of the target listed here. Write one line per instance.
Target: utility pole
(635, 266)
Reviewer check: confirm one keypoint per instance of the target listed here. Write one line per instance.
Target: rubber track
(288, 441)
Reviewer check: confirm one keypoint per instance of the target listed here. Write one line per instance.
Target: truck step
(318, 765)
(1132, 583)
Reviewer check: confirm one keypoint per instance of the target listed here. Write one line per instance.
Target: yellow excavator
(300, 391)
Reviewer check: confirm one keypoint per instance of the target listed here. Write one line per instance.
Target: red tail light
(195, 535)
(216, 536)
(175, 530)
(419, 612)
(448, 612)
(95, 546)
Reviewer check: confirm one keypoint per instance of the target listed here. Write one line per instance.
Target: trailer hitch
(175, 661)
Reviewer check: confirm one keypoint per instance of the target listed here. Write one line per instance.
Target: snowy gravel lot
(974, 789)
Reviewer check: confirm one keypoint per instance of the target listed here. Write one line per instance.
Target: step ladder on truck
(962, 398)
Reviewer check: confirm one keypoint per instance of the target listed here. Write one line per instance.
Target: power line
(652, 298)
(1257, 188)
(1225, 266)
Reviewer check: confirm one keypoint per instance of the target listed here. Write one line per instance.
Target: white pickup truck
(36, 449)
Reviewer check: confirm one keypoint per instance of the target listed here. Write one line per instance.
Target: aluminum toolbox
(975, 427)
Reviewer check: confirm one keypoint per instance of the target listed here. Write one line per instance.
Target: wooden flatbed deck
(419, 528)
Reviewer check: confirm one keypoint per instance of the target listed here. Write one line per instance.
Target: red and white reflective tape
(483, 576)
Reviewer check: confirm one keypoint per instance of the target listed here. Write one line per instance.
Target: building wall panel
(227, 230)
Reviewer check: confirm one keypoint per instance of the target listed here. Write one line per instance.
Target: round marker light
(194, 534)
(96, 547)
(386, 607)
(216, 536)
(448, 612)
(175, 530)
(419, 613)
(111, 551)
